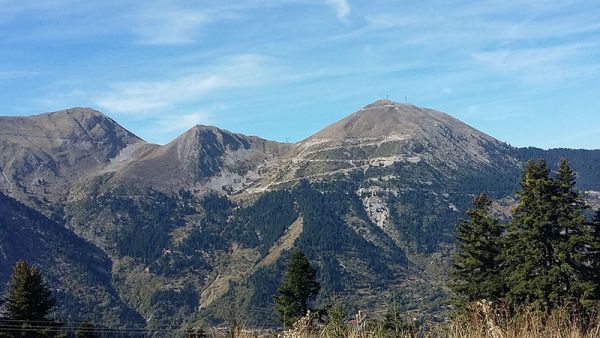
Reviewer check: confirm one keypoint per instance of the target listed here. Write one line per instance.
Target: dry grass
(482, 321)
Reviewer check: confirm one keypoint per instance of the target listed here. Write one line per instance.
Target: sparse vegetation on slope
(199, 230)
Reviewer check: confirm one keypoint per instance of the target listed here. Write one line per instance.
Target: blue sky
(524, 71)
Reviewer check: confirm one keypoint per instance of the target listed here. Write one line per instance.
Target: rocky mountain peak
(387, 134)
(74, 124)
(385, 118)
(203, 155)
(44, 154)
(201, 136)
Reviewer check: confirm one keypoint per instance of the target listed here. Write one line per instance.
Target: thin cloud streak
(162, 24)
(555, 63)
(341, 7)
(146, 97)
(145, 61)
(180, 123)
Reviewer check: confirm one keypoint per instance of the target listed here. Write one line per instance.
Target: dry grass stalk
(482, 321)
(302, 328)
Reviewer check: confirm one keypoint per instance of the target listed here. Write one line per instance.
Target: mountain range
(199, 229)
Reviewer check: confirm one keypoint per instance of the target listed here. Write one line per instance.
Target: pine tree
(476, 270)
(29, 299)
(545, 259)
(593, 254)
(394, 324)
(529, 251)
(573, 270)
(298, 288)
(336, 326)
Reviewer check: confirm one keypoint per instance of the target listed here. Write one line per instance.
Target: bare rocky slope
(199, 229)
(203, 157)
(43, 155)
(386, 133)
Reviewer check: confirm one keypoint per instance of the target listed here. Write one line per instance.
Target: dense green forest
(59, 249)
(545, 257)
(153, 252)
(584, 162)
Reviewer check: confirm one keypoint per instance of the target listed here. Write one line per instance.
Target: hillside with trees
(199, 232)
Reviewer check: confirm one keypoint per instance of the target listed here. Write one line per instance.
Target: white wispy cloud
(135, 97)
(248, 70)
(538, 63)
(184, 22)
(167, 24)
(341, 7)
(179, 123)
(525, 40)
(12, 74)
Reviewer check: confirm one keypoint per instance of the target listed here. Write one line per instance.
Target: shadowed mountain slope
(78, 273)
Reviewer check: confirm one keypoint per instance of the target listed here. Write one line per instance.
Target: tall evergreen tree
(29, 301)
(545, 247)
(529, 251)
(573, 270)
(475, 274)
(593, 255)
(298, 287)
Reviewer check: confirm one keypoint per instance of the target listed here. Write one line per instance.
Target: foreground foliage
(29, 303)
(545, 258)
(480, 320)
(298, 288)
(483, 319)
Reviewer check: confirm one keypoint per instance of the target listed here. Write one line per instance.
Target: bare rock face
(43, 155)
(385, 133)
(203, 158)
(387, 118)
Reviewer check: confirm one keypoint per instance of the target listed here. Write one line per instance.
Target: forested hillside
(78, 272)
(200, 230)
(586, 163)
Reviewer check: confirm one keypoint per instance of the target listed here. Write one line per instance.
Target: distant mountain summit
(385, 118)
(200, 229)
(204, 157)
(68, 127)
(43, 155)
(385, 133)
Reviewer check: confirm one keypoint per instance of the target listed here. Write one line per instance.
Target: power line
(51, 322)
(16, 325)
